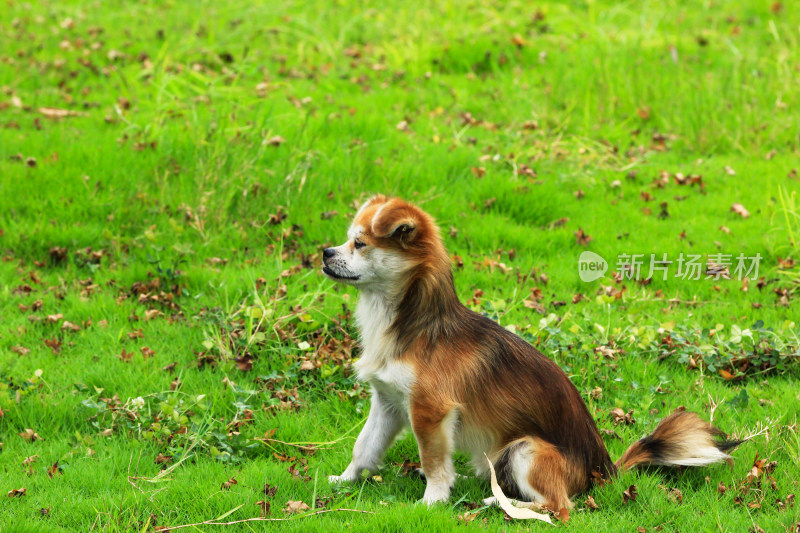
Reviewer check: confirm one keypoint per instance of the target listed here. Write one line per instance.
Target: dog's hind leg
(533, 470)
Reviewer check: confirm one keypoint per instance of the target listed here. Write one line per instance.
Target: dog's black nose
(328, 253)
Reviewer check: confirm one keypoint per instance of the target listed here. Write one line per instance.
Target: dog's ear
(399, 222)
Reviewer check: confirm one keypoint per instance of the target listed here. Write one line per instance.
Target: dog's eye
(359, 244)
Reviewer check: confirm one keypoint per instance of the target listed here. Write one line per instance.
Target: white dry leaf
(55, 113)
(739, 209)
(512, 510)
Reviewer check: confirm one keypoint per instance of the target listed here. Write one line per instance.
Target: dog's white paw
(435, 494)
(337, 480)
(490, 501)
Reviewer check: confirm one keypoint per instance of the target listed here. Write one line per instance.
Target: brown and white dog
(461, 381)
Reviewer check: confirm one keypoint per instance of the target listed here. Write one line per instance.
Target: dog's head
(388, 241)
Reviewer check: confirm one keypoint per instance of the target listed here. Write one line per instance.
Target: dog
(461, 381)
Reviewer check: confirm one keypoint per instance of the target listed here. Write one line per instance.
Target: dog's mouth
(331, 274)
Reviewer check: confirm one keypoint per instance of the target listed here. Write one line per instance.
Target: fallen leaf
(30, 435)
(294, 507)
(54, 344)
(275, 140)
(16, 493)
(621, 417)
(466, 517)
(228, 484)
(244, 363)
(150, 314)
(263, 508)
(69, 326)
(739, 209)
(55, 113)
(162, 459)
(629, 495)
(675, 495)
(757, 469)
(54, 469)
(590, 503)
(582, 238)
(505, 504)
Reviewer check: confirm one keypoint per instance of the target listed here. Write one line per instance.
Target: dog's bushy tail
(681, 439)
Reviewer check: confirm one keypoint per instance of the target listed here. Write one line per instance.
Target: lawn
(170, 171)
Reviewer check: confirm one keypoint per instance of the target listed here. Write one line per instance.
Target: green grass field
(170, 172)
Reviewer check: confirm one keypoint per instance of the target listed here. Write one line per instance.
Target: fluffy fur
(461, 381)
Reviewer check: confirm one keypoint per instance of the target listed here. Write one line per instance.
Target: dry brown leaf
(162, 459)
(263, 508)
(582, 238)
(725, 374)
(590, 503)
(621, 417)
(150, 314)
(30, 435)
(16, 493)
(629, 495)
(244, 363)
(294, 507)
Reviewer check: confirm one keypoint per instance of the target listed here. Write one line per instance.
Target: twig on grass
(213, 522)
(305, 447)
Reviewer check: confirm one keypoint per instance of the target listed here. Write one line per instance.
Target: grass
(217, 147)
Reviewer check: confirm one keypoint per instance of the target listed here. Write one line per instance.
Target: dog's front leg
(383, 424)
(434, 428)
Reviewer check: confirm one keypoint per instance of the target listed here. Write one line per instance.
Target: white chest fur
(378, 364)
